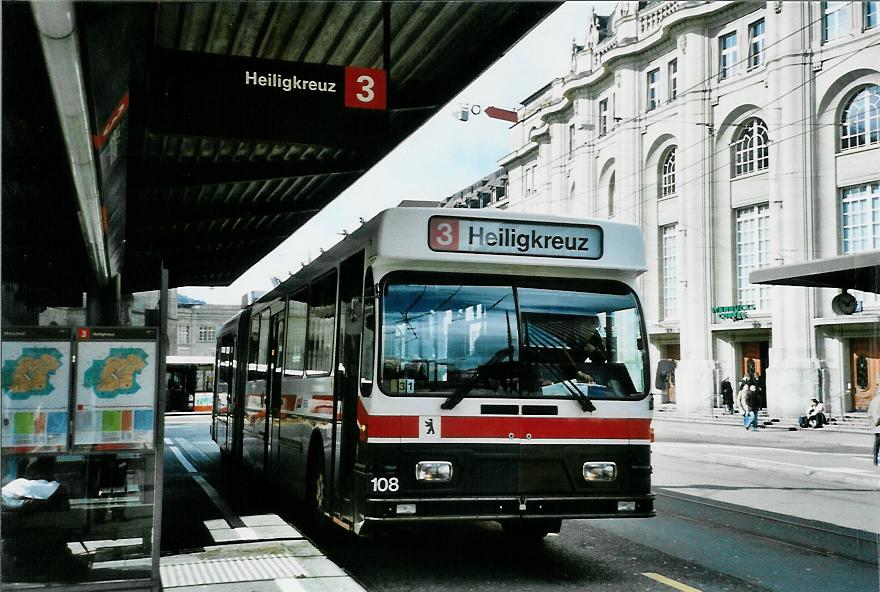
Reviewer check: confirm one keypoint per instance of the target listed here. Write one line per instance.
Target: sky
(440, 158)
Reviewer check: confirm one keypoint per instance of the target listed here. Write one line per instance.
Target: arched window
(860, 121)
(751, 148)
(667, 174)
(611, 196)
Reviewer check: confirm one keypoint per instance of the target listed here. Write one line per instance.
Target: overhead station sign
(506, 237)
(251, 98)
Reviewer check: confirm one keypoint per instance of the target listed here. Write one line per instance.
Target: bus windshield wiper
(468, 384)
(569, 383)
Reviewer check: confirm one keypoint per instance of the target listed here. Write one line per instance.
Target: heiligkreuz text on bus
(487, 236)
(436, 366)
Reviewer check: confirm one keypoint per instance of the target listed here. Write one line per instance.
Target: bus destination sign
(508, 237)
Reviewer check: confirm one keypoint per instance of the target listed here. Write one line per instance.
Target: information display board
(116, 385)
(36, 372)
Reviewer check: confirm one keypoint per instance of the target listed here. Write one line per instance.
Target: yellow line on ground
(671, 583)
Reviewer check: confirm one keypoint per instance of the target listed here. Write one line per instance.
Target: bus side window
(321, 324)
(368, 345)
(297, 312)
(253, 345)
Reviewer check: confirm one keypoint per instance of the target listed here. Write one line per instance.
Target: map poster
(35, 383)
(116, 380)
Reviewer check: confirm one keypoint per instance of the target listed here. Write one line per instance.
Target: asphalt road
(711, 533)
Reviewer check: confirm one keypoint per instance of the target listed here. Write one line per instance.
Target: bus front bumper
(502, 508)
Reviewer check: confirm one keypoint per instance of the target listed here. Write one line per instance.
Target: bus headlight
(434, 470)
(600, 471)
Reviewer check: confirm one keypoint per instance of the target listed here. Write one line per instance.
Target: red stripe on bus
(587, 427)
(479, 427)
(387, 426)
(394, 426)
(545, 427)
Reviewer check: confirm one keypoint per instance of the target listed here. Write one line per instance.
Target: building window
(834, 20)
(603, 117)
(206, 334)
(756, 44)
(571, 139)
(667, 174)
(673, 79)
(532, 187)
(653, 88)
(751, 148)
(668, 270)
(860, 121)
(182, 334)
(728, 56)
(752, 252)
(872, 14)
(860, 218)
(611, 196)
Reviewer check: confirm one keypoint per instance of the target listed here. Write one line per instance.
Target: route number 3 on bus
(365, 88)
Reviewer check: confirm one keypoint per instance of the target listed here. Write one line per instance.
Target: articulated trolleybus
(440, 364)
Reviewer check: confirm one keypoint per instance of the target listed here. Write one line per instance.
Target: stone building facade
(738, 135)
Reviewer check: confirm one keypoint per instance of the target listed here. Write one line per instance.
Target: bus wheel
(532, 529)
(316, 489)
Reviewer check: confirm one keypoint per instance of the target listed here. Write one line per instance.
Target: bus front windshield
(581, 339)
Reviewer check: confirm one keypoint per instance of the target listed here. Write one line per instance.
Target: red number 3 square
(365, 88)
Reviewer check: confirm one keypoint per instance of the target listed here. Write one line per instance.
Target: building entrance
(754, 359)
(864, 370)
(671, 353)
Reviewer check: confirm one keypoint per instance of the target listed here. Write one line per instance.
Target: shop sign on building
(736, 312)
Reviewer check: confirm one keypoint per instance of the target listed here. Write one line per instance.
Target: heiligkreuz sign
(239, 97)
(506, 237)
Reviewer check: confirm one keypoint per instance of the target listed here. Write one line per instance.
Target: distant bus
(440, 364)
(190, 383)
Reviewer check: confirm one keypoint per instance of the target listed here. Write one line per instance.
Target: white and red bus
(440, 364)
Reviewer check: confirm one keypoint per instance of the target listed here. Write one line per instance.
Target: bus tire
(532, 529)
(316, 486)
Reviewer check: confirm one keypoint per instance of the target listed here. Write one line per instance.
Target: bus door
(224, 391)
(273, 390)
(347, 383)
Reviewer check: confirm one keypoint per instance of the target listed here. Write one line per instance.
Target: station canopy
(855, 271)
(216, 129)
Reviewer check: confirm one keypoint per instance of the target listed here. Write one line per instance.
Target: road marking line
(169, 441)
(670, 582)
(186, 464)
(228, 513)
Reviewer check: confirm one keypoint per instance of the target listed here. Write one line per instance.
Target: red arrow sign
(505, 114)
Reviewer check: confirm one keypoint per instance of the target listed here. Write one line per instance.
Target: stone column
(792, 374)
(555, 191)
(628, 153)
(695, 376)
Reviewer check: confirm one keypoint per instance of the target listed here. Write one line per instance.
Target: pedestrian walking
(752, 403)
(727, 396)
(874, 417)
